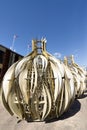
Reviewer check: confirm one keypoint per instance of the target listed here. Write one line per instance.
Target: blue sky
(62, 22)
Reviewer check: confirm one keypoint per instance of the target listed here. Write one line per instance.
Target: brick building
(7, 58)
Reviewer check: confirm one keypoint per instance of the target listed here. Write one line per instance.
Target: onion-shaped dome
(38, 87)
(79, 75)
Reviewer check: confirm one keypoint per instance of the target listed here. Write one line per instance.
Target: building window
(0, 70)
(1, 56)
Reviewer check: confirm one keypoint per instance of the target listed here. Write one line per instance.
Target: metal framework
(40, 87)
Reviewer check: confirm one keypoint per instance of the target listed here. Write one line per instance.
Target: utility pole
(14, 38)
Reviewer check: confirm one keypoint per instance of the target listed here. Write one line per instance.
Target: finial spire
(39, 45)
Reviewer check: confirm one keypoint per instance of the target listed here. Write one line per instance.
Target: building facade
(7, 58)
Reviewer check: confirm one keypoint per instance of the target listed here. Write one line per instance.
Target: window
(1, 56)
(0, 70)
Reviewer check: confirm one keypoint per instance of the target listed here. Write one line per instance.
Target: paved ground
(74, 119)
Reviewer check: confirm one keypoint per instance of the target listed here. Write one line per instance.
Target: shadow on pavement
(75, 107)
